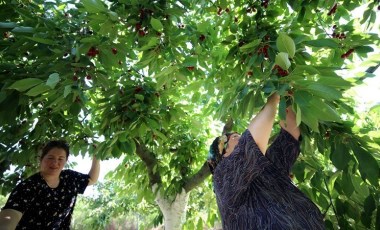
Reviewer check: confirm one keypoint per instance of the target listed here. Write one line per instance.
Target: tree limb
(150, 162)
(228, 126)
(204, 171)
(197, 178)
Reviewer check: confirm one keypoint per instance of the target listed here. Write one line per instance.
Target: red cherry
(92, 52)
(88, 77)
(138, 89)
(114, 50)
(75, 78)
(141, 33)
(190, 68)
(219, 10)
(138, 26)
(202, 37)
(249, 73)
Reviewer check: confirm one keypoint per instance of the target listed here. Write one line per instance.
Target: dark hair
(55, 144)
(214, 154)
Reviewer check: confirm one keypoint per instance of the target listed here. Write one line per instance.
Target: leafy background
(151, 82)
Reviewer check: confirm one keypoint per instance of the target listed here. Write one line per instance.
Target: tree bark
(174, 211)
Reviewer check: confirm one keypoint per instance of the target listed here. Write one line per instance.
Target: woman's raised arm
(261, 125)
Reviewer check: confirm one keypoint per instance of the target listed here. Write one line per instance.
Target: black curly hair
(214, 155)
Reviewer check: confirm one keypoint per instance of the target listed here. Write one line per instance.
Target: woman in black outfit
(251, 182)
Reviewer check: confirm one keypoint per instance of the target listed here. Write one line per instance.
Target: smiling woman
(46, 199)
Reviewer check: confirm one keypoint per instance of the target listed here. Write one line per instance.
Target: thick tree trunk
(174, 211)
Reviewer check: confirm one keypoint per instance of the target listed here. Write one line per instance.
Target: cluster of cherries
(92, 52)
(263, 50)
(141, 31)
(265, 3)
(219, 12)
(337, 35)
(280, 71)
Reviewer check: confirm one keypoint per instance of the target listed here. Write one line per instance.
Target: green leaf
(340, 156)
(94, 6)
(250, 46)
(23, 29)
(369, 205)
(234, 28)
(301, 69)
(332, 180)
(116, 118)
(8, 25)
(67, 90)
(368, 166)
(130, 146)
(377, 225)
(25, 84)
(363, 49)
(53, 80)
(89, 40)
(37, 90)
(156, 24)
(286, 44)
(325, 92)
(298, 115)
(340, 207)
(323, 111)
(309, 119)
(334, 81)
(360, 186)
(113, 16)
(282, 109)
(200, 224)
(347, 185)
(152, 43)
(160, 135)
(139, 97)
(75, 109)
(302, 97)
(42, 40)
(147, 58)
(324, 42)
(282, 60)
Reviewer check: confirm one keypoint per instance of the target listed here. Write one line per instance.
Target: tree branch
(197, 178)
(150, 162)
(204, 171)
(228, 126)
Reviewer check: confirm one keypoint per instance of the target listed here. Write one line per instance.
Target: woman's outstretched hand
(290, 125)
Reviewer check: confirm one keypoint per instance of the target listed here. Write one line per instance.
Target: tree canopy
(151, 82)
